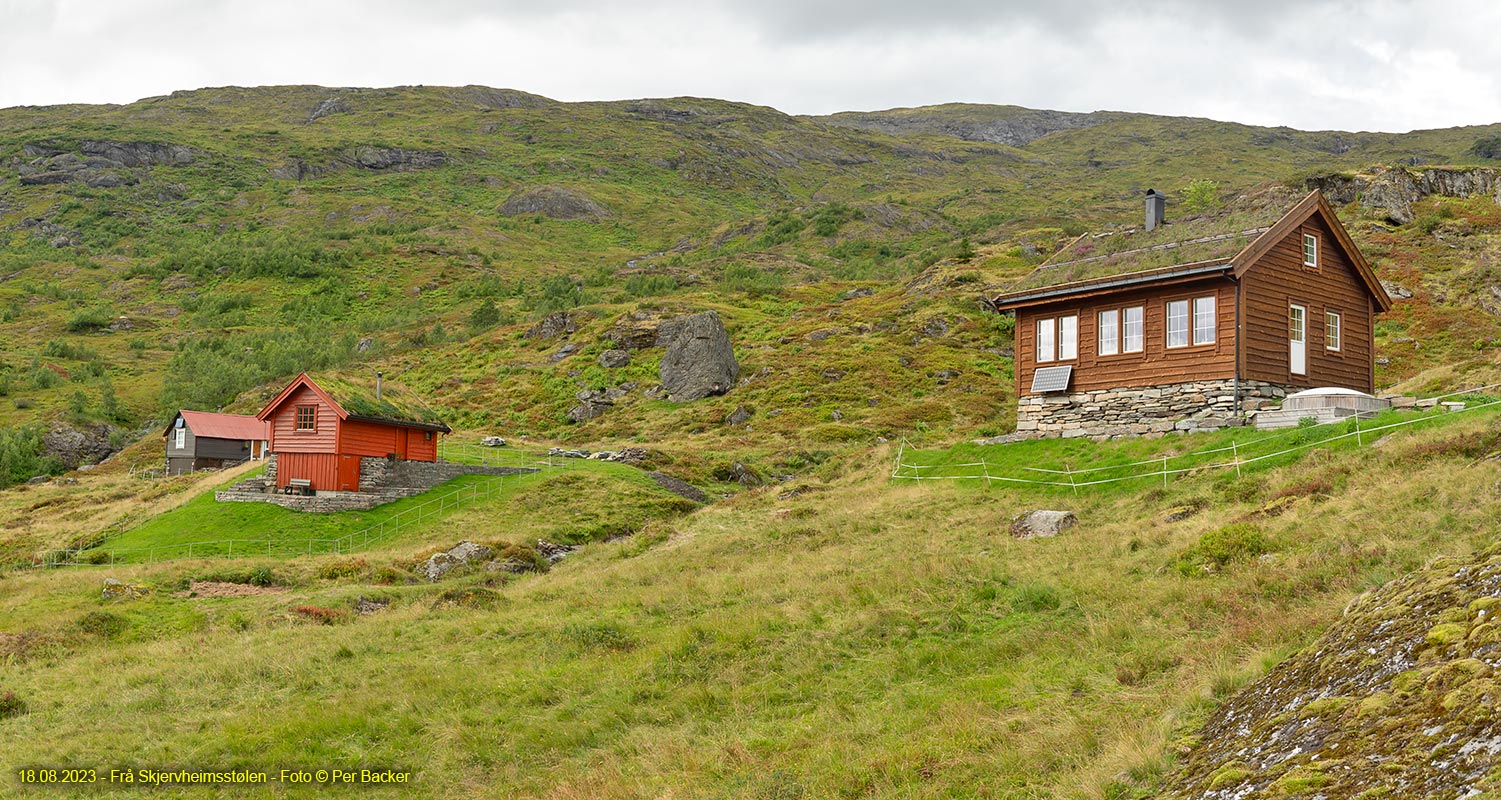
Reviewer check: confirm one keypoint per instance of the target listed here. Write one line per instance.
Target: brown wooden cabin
(199, 440)
(1255, 302)
(321, 429)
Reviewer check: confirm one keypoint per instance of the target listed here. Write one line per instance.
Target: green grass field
(840, 636)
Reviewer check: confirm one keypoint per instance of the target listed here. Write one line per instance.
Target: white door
(1297, 339)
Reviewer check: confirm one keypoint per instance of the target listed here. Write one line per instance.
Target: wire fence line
(1242, 454)
(358, 540)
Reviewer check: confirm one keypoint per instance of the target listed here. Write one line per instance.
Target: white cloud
(1357, 66)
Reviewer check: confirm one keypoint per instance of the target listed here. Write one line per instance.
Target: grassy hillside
(180, 250)
(843, 636)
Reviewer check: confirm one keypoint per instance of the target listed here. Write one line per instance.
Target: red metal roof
(224, 426)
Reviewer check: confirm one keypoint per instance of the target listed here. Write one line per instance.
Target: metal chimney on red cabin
(1156, 208)
(378, 377)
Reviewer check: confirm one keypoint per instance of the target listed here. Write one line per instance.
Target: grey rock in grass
(738, 417)
(1042, 523)
(552, 326)
(459, 555)
(679, 487)
(700, 361)
(614, 359)
(493, 441)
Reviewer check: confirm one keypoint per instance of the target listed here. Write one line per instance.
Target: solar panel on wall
(1051, 379)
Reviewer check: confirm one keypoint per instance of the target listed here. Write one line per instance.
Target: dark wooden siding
(286, 439)
(320, 468)
(188, 443)
(1279, 279)
(1156, 364)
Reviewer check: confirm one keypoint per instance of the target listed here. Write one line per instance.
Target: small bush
(1222, 547)
(11, 706)
(321, 614)
(348, 568)
(103, 623)
(468, 597)
(92, 319)
(390, 576)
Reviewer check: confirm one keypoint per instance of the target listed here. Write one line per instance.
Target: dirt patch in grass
(223, 589)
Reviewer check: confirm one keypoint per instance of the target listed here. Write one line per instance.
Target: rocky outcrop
(393, 159)
(74, 447)
(700, 361)
(97, 164)
(1397, 699)
(328, 107)
(460, 555)
(1010, 125)
(1392, 191)
(556, 202)
(1042, 523)
(552, 326)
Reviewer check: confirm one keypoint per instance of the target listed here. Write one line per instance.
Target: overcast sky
(1312, 64)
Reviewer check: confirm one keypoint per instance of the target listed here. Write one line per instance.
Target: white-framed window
(1332, 332)
(1310, 250)
(1068, 337)
(1133, 329)
(1177, 323)
(1204, 321)
(1110, 332)
(1046, 345)
(1058, 338)
(307, 418)
(182, 438)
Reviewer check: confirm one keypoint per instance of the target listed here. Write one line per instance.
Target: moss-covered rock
(1398, 699)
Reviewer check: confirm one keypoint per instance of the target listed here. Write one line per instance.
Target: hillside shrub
(11, 705)
(57, 348)
(89, 320)
(1222, 547)
(321, 614)
(346, 568)
(21, 455)
(103, 623)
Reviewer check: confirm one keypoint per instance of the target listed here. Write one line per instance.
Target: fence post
(1070, 471)
(985, 465)
(1235, 451)
(1359, 440)
(1164, 471)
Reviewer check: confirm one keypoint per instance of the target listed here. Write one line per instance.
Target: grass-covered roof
(1218, 235)
(356, 394)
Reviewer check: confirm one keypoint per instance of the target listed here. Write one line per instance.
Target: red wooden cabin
(319, 431)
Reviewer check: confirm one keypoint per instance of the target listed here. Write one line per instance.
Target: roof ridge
(1156, 247)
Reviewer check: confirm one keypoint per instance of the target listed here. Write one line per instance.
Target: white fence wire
(1241, 454)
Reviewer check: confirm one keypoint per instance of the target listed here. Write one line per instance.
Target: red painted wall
(286, 439)
(320, 468)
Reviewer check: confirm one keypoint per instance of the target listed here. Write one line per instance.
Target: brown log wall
(1157, 363)
(1279, 279)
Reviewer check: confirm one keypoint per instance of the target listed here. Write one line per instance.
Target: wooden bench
(301, 486)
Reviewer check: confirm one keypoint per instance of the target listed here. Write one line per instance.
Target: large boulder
(1042, 523)
(700, 361)
(556, 202)
(75, 447)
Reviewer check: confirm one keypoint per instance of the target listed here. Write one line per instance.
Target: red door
(349, 473)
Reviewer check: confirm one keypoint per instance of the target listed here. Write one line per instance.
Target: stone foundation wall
(1144, 411)
(378, 474)
(381, 481)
